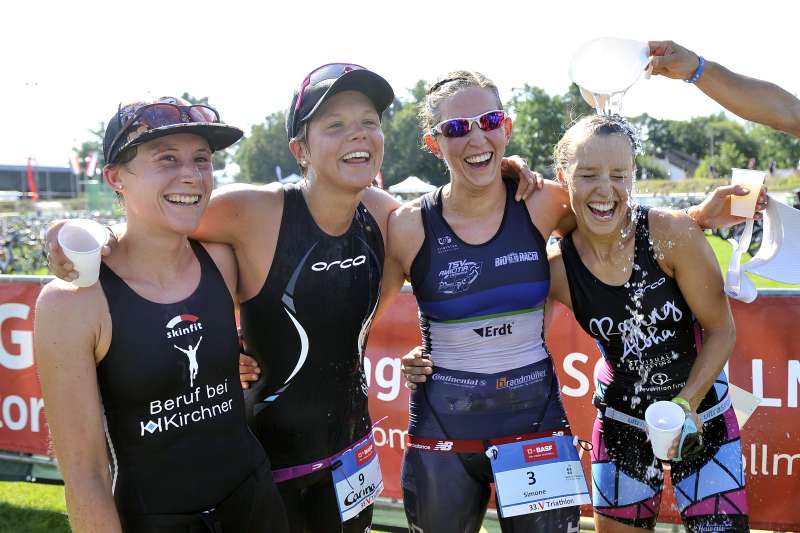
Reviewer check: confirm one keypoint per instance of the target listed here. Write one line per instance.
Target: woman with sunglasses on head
(643, 283)
(140, 370)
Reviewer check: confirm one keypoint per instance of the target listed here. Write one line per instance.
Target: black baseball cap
(327, 80)
(141, 121)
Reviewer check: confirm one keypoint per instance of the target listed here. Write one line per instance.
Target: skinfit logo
(494, 331)
(322, 266)
(183, 324)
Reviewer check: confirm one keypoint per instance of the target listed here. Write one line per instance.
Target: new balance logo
(494, 331)
(443, 446)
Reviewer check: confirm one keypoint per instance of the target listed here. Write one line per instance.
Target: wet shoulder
(672, 233)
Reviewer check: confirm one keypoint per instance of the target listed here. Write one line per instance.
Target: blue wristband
(699, 72)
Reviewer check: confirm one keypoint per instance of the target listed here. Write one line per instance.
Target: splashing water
(604, 103)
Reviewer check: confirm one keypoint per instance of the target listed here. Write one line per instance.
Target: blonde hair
(430, 108)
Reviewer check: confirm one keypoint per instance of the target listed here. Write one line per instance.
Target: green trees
(265, 148)
(539, 121)
(404, 155)
(718, 142)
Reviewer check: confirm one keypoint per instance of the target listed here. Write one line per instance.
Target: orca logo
(445, 240)
(347, 263)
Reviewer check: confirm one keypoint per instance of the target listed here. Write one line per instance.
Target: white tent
(411, 185)
(291, 178)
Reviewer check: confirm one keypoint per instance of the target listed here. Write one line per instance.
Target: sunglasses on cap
(331, 71)
(459, 127)
(139, 118)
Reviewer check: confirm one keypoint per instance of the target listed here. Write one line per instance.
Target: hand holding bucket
(82, 241)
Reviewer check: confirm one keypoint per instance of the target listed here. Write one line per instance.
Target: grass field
(35, 508)
(32, 508)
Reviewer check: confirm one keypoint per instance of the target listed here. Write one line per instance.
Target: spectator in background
(752, 99)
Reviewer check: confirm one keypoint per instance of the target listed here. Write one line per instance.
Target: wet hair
(430, 108)
(588, 126)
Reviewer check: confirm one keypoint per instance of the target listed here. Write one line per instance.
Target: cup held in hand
(664, 424)
(745, 206)
(82, 241)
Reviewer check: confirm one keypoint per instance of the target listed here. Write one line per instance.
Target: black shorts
(255, 506)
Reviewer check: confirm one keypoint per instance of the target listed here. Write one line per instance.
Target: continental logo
(528, 379)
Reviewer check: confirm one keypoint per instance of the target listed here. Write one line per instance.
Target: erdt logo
(365, 453)
(540, 451)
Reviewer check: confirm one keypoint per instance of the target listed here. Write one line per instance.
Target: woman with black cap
(140, 370)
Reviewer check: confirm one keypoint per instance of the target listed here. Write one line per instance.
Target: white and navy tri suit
(482, 318)
(308, 327)
(649, 340)
(183, 458)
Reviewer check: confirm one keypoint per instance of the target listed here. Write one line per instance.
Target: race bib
(357, 478)
(537, 475)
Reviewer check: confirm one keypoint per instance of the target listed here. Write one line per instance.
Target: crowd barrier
(766, 361)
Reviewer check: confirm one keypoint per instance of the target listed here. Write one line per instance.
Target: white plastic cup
(82, 241)
(745, 206)
(664, 424)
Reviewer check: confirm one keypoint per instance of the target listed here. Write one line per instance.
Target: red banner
(22, 423)
(766, 361)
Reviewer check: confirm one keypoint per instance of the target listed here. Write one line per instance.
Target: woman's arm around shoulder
(559, 284)
(239, 211)
(550, 211)
(405, 237)
(72, 333)
(381, 206)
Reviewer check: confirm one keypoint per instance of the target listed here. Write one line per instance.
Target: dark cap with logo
(328, 80)
(141, 121)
